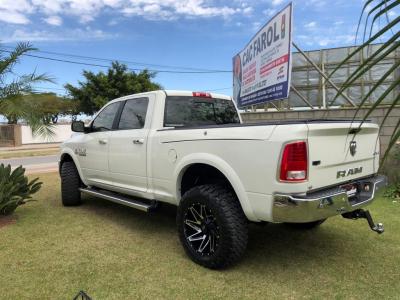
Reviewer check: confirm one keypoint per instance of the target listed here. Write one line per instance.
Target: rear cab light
(294, 162)
(201, 94)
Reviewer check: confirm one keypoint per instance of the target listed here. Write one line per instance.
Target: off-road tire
(228, 215)
(305, 226)
(70, 184)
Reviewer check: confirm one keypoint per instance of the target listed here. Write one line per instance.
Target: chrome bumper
(326, 203)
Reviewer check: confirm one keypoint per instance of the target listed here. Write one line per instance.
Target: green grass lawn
(28, 153)
(114, 252)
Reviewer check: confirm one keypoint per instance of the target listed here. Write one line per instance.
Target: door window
(134, 114)
(104, 120)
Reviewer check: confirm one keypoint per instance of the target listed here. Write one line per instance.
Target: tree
(14, 88)
(373, 12)
(98, 89)
(50, 106)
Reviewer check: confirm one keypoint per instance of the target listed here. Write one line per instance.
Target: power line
(49, 88)
(64, 90)
(106, 66)
(221, 89)
(204, 71)
(123, 61)
(194, 70)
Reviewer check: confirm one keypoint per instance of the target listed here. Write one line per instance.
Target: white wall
(61, 133)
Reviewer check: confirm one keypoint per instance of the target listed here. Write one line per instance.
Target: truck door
(128, 146)
(93, 151)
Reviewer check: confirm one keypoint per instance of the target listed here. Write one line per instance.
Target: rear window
(186, 111)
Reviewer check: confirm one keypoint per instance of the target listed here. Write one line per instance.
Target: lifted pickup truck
(192, 150)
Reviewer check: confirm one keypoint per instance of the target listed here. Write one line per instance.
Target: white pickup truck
(191, 149)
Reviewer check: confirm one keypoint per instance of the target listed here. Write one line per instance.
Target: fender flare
(69, 152)
(224, 168)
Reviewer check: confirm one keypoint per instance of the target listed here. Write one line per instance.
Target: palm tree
(373, 12)
(14, 90)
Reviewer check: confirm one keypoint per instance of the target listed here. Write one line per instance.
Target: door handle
(138, 141)
(102, 142)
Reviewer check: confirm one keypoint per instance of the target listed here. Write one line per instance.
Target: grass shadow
(269, 246)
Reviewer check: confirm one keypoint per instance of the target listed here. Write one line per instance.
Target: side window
(134, 114)
(104, 120)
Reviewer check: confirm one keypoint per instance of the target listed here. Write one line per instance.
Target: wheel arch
(70, 156)
(219, 166)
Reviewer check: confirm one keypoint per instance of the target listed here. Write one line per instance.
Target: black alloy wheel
(212, 226)
(201, 229)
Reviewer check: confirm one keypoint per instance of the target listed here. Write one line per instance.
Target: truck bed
(277, 122)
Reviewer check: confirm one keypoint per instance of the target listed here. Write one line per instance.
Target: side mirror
(78, 126)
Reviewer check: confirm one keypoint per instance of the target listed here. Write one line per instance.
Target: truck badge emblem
(348, 172)
(353, 148)
(80, 151)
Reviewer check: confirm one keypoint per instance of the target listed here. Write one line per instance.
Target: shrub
(393, 191)
(15, 189)
(391, 169)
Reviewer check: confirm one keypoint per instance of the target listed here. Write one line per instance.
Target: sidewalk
(31, 147)
(34, 164)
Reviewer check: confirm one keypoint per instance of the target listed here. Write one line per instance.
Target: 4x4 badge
(80, 151)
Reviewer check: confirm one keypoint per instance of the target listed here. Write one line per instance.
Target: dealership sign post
(262, 70)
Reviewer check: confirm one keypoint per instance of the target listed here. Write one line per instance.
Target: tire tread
(234, 218)
(70, 184)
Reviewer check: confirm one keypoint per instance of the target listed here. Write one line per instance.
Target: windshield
(186, 111)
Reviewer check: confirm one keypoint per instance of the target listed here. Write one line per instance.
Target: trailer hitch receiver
(364, 214)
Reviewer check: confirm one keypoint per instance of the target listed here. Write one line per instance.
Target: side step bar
(118, 198)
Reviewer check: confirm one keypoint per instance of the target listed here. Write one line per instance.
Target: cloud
(277, 2)
(15, 11)
(20, 35)
(53, 20)
(316, 3)
(310, 25)
(85, 11)
(327, 40)
(256, 26)
(16, 6)
(13, 17)
(248, 10)
(269, 12)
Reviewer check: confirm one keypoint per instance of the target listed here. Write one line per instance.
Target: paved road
(34, 164)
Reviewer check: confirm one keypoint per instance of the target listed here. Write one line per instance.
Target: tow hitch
(364, 214)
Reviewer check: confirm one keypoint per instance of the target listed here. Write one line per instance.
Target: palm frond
(382, 97)
(392, 106)
(379, 10)
(375, 87)
(383, 12)
(7, 63)
(367, 17)
(45, 131)
(368, 64)
(367, 43)
(23, 84)
(393, 140)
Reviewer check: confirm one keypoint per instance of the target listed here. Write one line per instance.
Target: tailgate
(336, 156)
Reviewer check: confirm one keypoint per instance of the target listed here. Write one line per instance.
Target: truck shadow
(270, 246)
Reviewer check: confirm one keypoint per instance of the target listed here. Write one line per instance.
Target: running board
(118, 198)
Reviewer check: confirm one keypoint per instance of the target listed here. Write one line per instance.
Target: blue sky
(191, 33)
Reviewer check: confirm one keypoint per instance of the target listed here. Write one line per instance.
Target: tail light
(294, 162)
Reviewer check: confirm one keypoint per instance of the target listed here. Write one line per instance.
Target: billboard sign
(262, 70)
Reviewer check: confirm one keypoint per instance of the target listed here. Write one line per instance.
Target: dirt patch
(7, 220)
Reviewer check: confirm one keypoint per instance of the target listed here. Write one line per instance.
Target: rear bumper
(326, 203)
